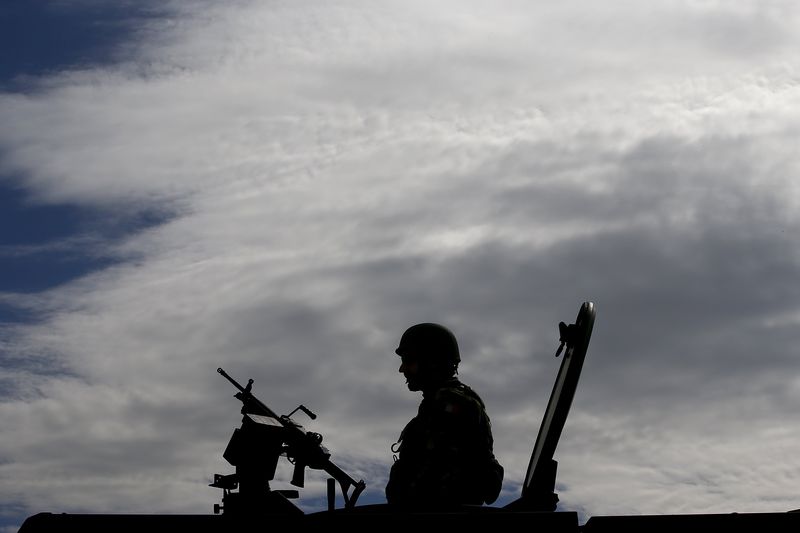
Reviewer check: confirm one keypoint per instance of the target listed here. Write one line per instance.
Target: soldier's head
(429, 354)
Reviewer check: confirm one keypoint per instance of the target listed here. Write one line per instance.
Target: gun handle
(298, 477)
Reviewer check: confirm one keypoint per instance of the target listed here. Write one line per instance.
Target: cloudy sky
(280, 188)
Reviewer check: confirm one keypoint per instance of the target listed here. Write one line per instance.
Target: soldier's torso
(444, 449)
(453, 416)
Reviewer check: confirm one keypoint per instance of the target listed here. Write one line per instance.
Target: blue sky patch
(45, 245)
(42, 246)
(39, 37)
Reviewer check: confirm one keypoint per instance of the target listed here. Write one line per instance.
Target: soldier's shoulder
(455, 393)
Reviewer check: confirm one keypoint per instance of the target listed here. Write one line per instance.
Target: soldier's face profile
(409, 367)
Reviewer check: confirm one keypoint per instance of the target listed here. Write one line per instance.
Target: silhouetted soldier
(445, 453)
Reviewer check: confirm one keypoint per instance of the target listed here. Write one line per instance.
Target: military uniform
(446, 452)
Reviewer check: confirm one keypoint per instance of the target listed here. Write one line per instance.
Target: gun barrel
(226, 376)
(246, 396)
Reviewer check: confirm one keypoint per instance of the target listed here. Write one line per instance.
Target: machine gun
(256, 446)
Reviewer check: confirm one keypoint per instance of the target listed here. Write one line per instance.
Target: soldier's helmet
(429, 342)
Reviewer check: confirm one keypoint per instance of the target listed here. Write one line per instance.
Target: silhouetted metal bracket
(538, 491)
